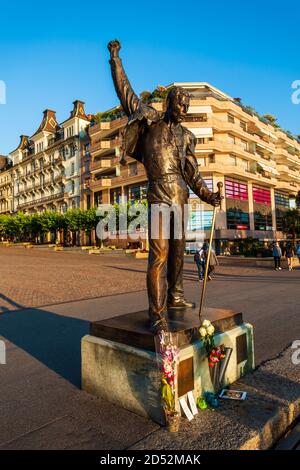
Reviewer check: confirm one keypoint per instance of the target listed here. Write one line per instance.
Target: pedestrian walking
(200, 262)
(213, 262)
(289, 256)
(277, 253)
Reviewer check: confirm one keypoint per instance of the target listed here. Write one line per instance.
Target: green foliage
(291, 222)
(167, 396)
(271, 119)
(251, 247)
(29, 227)
(108, 115)
(145, 96)
(298, 200)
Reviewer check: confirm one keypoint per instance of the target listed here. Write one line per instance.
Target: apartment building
(46, 165)
(257, 163)
(6, 187)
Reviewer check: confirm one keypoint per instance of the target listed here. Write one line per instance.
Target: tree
(272, 119)
(74, 222)
(298, 200)
(291, 223)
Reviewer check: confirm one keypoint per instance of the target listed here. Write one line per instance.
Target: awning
(199, 109)
(268, 168)
(201, 132)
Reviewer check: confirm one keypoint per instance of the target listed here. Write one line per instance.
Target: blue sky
(52, 54)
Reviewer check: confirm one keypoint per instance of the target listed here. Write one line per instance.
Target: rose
(210, 330)
(206, 323)
(203, 331)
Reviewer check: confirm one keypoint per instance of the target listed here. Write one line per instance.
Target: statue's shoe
(182, 303)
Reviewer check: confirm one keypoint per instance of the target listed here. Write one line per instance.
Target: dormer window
(70, 131)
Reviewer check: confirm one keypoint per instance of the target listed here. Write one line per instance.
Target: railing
(43, 200)
(101, 183)
(101, 164)
(106, 144)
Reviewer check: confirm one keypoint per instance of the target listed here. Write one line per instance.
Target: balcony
(43, 200)
(287, 186)
(101, 164)
(102, 183)
(282, 154)
(237, 171)
(139, 176)
(105, 144)
(288, 172)
(219, 125)
(108, 125)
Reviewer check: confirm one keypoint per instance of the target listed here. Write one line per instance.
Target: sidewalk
(42, 408)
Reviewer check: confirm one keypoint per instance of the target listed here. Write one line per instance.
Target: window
(236, 190)
(282, 200)
(261, 196)
(132, 169)
(231, 139)
(70, 131)
(134, 193)
(211, 159)
(244, 145)
(237, 219)
(200, 220)
(230, 160)
(201, 161)
(243, 164)
(231, 118)
(72, 186)
(97, 198)
(263, 219)
(115, 196)
(87, 149)
(72, 150)
(243, 125)
(72, 168)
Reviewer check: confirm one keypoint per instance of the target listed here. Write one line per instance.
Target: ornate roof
(24, 142)
(49, 122)
(78, 110)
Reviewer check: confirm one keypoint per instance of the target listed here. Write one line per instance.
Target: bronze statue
(167, 150)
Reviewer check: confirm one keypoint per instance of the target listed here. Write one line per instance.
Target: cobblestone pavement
(38, 277)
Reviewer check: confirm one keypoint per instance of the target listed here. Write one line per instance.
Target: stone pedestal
(119, 361)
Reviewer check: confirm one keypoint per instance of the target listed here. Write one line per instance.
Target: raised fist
(114, 47)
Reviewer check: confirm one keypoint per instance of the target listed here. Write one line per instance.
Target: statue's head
(178, 101)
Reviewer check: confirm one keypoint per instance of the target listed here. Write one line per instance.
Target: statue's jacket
(167, 150)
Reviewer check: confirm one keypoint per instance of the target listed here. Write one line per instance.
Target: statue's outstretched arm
(194, 179)
(127, 97)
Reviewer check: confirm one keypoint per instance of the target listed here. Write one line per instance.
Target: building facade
(46, 166)
(257, 163)
(77, 164)
(6, 186)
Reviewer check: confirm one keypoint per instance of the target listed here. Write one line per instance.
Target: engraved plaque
(241, 348)
(185, 376)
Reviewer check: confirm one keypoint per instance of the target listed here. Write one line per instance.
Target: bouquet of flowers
(214, 353)
(168, 364)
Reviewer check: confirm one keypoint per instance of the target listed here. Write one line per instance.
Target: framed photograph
(233, 394)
